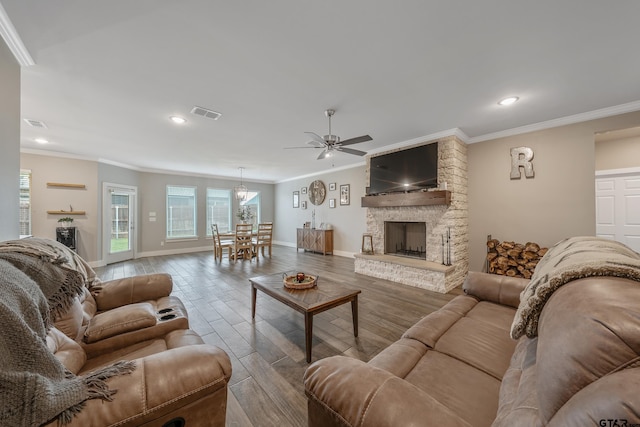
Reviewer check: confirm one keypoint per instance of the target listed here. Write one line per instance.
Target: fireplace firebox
(407, 239)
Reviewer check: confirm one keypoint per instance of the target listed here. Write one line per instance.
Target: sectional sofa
(562, 349)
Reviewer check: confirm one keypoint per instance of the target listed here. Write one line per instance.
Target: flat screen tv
(407, 170)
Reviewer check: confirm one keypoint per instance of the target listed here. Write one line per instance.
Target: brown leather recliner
(118, 313)
(178, 377)
(175, 379)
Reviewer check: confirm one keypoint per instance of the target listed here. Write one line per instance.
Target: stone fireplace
(405, 238)
(440, 268)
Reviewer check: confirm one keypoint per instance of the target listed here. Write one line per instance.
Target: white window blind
(218, 209)
(181, 212)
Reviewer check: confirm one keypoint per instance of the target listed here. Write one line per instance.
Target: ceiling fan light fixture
(332, 143)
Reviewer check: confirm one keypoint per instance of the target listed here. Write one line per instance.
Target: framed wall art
(296, 199)
(345, 198)
(332, 203)
(304, 190)
(332, 186)
(304, 204)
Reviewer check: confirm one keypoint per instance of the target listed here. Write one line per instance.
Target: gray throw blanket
(53, 252)
(35, 387)
(571, 259)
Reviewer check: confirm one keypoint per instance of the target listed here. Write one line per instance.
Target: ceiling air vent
(36, 123)
(204, 112)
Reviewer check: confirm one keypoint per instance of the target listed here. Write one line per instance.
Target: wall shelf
(422, 198)
(64, 185)
(66, 212)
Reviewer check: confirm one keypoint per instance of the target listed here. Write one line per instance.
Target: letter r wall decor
(521, 157)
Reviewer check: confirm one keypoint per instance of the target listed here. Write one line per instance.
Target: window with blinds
(181, 212)
(218, 209)
(25, 202)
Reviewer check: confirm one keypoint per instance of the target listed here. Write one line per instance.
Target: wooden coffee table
(325, 295)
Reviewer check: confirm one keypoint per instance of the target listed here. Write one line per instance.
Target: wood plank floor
(268, 354)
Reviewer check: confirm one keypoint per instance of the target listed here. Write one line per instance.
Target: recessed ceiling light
(508, 101)
(178, 120)
(41, 141)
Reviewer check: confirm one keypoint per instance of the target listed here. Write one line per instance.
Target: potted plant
(65, 222)
(244, 214)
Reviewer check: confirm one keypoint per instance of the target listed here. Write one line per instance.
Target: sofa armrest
(174, 383)
(347, 392)
(130, 290)
(496, 288)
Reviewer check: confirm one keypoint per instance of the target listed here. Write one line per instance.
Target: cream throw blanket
(35, 387)
(571, 259)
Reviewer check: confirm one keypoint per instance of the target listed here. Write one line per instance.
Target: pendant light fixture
(240, 190)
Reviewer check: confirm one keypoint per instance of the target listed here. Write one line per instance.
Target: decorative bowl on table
(299, 280)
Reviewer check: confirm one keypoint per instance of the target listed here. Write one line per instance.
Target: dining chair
(263, 238)
(219, 244)
(243, 244)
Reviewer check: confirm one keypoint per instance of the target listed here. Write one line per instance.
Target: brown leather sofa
(175, 380)
(178, 377)
(458, 366)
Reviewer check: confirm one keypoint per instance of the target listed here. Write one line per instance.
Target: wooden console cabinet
(311, 239)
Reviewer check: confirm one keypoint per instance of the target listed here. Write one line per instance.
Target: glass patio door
(119, 235)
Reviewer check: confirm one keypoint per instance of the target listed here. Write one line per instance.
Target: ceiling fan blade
(323, 155)
(351, 151)
(356, 140)
(316, 140)
(293, 148)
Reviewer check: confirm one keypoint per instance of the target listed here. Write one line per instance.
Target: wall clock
(317, 192)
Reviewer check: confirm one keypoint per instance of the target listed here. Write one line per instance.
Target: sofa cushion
(175, 339)
(496, 315)
(479, 343)
(400, 357)
(431, 327)
(120, 320)
(70, 323)
(66, 350)
(468, 392)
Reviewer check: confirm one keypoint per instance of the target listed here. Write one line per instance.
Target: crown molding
(562, 121)
(324, 172)
(13, 40)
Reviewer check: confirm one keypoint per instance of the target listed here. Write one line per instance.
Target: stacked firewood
(513, 259)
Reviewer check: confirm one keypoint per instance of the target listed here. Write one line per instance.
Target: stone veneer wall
(452, 169)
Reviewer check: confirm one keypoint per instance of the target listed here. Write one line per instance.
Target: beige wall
(557, 203)
(9, 144)
(44, 198)
(618, 153)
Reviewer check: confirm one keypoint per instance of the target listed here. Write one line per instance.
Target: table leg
(308, 334)
(354, 314)
(254, 293)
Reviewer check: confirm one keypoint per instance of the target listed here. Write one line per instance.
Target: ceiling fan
(332, 143)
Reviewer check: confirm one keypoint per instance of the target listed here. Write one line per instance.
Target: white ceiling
(108, 74)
